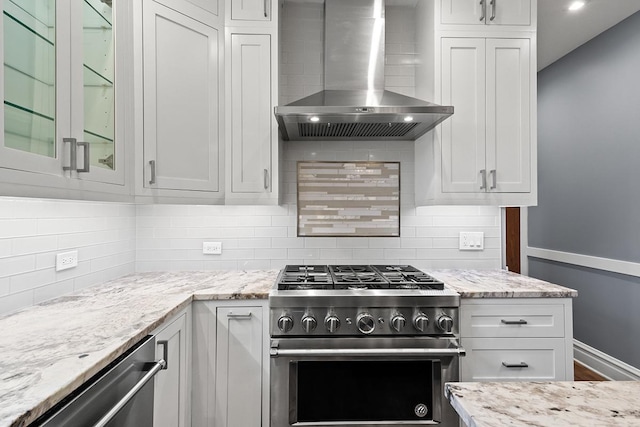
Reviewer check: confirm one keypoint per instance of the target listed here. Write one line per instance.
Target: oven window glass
(364, 390)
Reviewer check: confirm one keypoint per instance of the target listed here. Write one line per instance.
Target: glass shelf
(27, 130)
(94, 79)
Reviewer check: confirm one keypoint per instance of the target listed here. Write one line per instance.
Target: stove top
(355, 277)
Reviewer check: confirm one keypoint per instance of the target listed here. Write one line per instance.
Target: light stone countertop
(561, 404)
(499, 284)
(40, 345)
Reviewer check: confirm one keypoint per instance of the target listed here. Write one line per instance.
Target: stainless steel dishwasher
(121, 395)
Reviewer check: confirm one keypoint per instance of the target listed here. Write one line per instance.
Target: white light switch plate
(212, 248)
(471, 240)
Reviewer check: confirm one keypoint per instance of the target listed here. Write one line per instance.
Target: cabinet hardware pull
(367, 352)
(483, 172)
(515, 365)
(231, 315)
(73, 153)
(514, 322)
(127, 397)
(165, 352)
(265, 8)
(86, 156)
(266, 179)
(493, 10)
(481, 10)
(152, 164)
(492, 172)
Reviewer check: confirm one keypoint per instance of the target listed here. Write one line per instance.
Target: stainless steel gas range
(362, 345)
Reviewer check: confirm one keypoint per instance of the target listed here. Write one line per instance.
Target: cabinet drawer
(512, 321)
(507, 359)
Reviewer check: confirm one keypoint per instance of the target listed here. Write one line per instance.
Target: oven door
(362, 381)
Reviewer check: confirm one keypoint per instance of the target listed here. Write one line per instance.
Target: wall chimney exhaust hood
(354, 104)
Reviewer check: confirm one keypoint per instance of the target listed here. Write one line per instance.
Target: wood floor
(582, 373)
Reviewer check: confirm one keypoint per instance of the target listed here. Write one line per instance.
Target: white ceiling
(561, 31)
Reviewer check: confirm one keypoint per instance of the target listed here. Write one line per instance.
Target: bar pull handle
(513, 322)
(265, 8)
(515, 365)
(73, 154)
(152, 165)
(492, 172)
(165, 353)
(483, 173)
(86, 156)
(232, 315)
(266, 179)
(493, 10)
(481, 10)
(159, 365)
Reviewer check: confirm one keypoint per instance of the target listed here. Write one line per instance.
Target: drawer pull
(514, 322)
(232, 315)
(515, 365)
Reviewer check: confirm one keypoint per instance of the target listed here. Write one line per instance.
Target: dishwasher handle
(157, 367)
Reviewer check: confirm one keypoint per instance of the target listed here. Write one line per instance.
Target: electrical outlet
(212, 248)
(66, 260)
(471, 241)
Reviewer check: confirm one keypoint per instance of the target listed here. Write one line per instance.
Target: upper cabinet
(182, 59)
(253, 146)
(65, 84)
(485, 153)
(486, 144)
(487, 12)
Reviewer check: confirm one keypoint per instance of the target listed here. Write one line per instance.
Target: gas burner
(351, 269)
(395, 269)
(358, 278)
(306, 269)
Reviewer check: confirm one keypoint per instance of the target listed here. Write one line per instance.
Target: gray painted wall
(589, 183)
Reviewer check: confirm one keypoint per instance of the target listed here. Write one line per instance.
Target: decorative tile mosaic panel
(349, 199)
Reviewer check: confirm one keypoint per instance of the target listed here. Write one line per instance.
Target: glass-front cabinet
(60, 87)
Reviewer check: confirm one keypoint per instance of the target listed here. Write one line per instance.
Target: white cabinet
(250, 113)
(182, 95)
(516, 339)
(65, 83)
(172, 386)
(230, 364)
(253, 146)
(486, 12)
(486, 144)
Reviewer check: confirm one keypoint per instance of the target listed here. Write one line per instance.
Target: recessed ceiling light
(576, 5)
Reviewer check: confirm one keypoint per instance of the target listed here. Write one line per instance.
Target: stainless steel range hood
(354, 104)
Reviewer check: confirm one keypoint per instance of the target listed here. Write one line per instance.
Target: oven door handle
(368, 352)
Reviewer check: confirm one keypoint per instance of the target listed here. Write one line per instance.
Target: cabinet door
(59, 81)
(181, 101)
(481, 12)
(239, 347)
(170, 395)
(251, 10)
(463, 134)
(251, 114)
(35, 108)
(508, 115)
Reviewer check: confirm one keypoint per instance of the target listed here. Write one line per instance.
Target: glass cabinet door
(59, 85)
(98, 82)
(29, 87)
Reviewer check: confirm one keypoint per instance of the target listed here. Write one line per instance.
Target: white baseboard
(606, 264)
(603, 364)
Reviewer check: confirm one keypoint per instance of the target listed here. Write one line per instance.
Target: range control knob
(285, 323)
(445, 323)
(420, 322)
(397, 322)
(366, 323)
(332, 323)
(309, 323)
